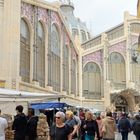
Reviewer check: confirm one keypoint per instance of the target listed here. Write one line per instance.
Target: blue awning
(49, 105)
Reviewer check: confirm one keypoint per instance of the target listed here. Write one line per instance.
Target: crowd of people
(70, 125)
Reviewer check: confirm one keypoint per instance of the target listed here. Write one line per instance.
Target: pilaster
(106, 83)
(70, 69)
(61, 62)
(80, 74)
(128, 48)
(11, 41)
(1, 34)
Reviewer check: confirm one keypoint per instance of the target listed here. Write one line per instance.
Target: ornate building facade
(41, 51)
(111, 66)
(38, 53)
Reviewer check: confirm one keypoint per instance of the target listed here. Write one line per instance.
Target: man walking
(19, 124)
(124, 126)
(136, 127)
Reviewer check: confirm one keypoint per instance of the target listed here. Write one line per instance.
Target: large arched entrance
(120, 103)
(124, 101)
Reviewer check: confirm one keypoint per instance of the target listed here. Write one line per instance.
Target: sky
(101, 15)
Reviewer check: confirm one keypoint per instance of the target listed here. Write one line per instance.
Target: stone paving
(131, 136)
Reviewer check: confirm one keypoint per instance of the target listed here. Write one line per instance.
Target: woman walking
(60, 131)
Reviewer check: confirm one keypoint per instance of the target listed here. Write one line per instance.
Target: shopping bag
(118, 136)
(131, 136)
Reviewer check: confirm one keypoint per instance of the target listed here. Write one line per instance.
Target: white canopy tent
(9, 99)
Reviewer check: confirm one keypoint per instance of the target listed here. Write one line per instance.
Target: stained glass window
(91, 81)
(24, 51)
(116, 72)
(40, 55)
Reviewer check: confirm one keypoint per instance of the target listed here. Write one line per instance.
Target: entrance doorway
(121, 108)
(120, 103)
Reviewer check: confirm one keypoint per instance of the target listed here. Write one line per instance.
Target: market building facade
(38, 53)
(44, 48)
(112, 61)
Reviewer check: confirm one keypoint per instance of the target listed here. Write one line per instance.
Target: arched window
(116, 68)
(74, 32)
(91, 81)
(40, 55)
(65, 68)
(73, 76)
(54, 60)
(24, 51)
(83, 36)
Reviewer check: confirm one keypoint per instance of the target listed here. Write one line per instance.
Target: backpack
(124, 124)
(136, 127)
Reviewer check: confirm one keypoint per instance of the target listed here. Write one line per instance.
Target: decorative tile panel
(27, 11)
(96, 57)
(42, 15)
(67, 40)
(55, 18)
(73, 53)
(119, 47)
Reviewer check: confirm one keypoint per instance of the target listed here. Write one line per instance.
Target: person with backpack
(124, 126)
(136, 127)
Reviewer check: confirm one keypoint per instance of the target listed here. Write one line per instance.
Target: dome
(77, 27)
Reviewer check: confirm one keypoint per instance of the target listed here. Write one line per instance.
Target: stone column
(106, 83)
(128, 49)
(11, 41)
(1, 36)
(70, 69)
(61, 60)
(46, 56)
(80, 74)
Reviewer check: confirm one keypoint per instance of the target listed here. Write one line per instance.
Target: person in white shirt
(3, 126)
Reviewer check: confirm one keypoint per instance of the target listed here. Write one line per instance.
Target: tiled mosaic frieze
(55, 19)
(42, 15)
(27, 10)
(67, 40)
(119, 47)
(74, 55)
(96, 57)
